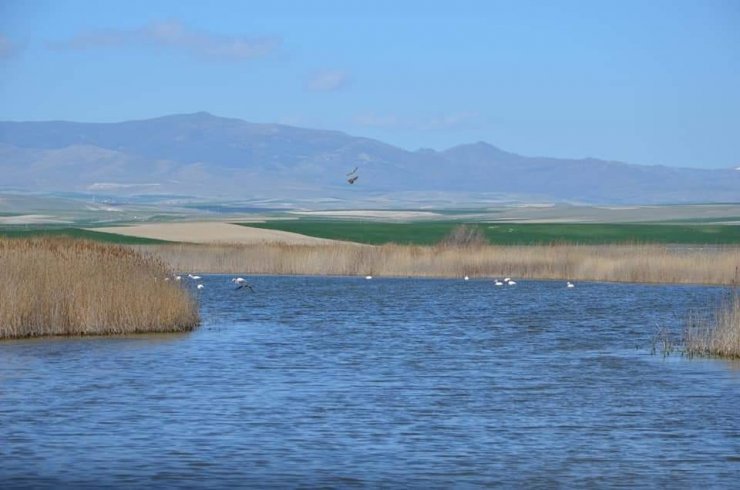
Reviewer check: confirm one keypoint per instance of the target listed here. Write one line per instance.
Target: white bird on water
(200, 286)
(498, 283)
(242, 283)
(368, 277)
(177, 278)
(194, 278)
(466, 278)
(571, 285)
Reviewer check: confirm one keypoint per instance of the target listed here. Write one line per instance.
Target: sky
(648, 82)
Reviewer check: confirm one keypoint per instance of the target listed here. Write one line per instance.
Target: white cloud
(328, 81)
(173, 35)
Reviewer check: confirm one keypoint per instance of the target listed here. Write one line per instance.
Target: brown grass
(617, 263)
(75, 287)
(718, 336)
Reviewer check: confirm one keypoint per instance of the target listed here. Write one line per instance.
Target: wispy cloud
(328, 81)
(7, 47)
(377, 121)
(456, 120)
(173, 35)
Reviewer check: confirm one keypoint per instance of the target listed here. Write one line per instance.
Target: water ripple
(341, 382)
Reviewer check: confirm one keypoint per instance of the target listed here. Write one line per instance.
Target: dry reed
(718, 336)
(73, 287)
(613, 263)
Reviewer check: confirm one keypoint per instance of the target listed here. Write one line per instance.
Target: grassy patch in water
(502, 233)
(61, 286)
(718, 336)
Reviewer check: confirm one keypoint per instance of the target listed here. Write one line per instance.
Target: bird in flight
(242, 283)
(353, 171)
(351, 180)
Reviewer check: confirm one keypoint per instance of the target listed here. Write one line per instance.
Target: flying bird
(353, 171)
(242, 283)
(351, 180)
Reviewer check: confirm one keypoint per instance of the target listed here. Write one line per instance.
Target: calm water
(343, 382)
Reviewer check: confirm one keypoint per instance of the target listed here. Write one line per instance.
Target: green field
(45, 231)
(431, 232)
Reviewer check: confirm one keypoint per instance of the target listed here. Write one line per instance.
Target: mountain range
(213, 157)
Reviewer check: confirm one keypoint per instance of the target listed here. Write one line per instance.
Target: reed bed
(62, 286)
(613, 263)
(718, 336)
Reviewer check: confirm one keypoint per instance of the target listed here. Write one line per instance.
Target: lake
(396, 383)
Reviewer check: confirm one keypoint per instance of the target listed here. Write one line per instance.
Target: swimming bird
(368, 277)
(466, 278)
(177, 278)
(511, 283)
(351, 180)
(200, 286)
(194, 278)
(242, 283)
(498, 283)
(571, 285)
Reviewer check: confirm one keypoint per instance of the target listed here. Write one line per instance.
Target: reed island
(63, 286)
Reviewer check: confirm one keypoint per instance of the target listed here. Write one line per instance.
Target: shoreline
(644, 264)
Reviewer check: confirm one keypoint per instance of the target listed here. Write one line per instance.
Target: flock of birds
(239, 281)
(508, 281)
(352, 177)
(242, 283)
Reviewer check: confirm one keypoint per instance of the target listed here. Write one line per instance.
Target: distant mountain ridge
(204, 155)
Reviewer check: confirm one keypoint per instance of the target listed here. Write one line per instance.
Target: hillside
(204, 155)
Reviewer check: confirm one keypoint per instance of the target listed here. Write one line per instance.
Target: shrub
(464, 236)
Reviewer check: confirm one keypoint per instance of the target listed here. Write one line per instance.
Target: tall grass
(718, 336)
(618, 263)
(61, 286)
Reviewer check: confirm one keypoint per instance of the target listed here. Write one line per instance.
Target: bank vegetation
(614, 263)
(63, 286)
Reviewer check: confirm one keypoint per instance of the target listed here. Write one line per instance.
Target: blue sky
(649, 82)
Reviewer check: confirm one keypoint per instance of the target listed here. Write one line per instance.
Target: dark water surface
(343, 382)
